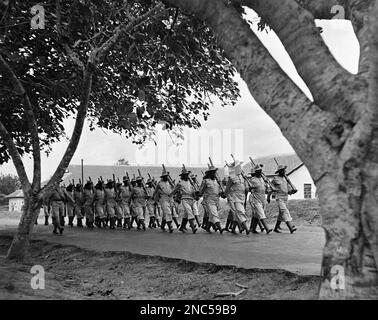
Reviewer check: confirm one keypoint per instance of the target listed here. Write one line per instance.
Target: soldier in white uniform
(257, 200)
(124, 202)
(210, 190)
(151, 205)
(99, 205)
(163, 193)
(111, 203)
(139, 197)
(236, 195)
(187, 194)
(283, 190)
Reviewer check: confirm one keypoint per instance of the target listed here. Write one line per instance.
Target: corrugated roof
(16, 194)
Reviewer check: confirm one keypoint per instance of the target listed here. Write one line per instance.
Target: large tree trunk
(336, 145)
(19, 248)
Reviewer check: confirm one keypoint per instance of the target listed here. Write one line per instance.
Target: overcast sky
(245, 129)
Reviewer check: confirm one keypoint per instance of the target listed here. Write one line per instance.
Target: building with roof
(16, 200)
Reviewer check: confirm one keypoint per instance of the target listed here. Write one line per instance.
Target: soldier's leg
(46, 212)
(110, 207)
(175, 215)
(167, 210)
(55, 217)
(241, 216)
(187, 211)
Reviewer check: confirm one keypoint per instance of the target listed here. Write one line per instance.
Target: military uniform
(151, 208)
(163, 193)
(70, 206)
(139, 198)
(79, 205)
(124, 195)
(56, 200)
(88, 206)
(99, 205)
(111, 204)
(282, 197)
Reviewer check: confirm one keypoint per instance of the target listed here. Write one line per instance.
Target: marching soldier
(210, 190)
(70, 206)
(283, 190)
(257, 200)
(119, 211)
(111, 203)
(88, 204)
(196, 199)
(79, 203)
(56, 200)
(139, 196)
(163, 192)
(125, 199)
(134, 214)
(236, 195)
(99, 204)
(187, 193)
(151, 206)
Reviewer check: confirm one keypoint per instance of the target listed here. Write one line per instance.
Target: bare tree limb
(30, 119)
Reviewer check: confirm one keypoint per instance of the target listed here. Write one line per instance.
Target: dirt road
(299, 253)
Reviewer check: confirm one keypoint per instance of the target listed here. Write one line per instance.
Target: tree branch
(334, 88)
(16, 158)
(30, 119)
(275, 92)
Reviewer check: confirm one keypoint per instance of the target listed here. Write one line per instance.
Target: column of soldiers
(119, 205)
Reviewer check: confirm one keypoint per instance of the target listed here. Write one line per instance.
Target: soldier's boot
(193, 225)
(70, 221)
(157, 222)
(277, 227)
(291, 227)
(170, 226)
(244, 227)
(36, 221)
(162, 226)
(261, 226)
(197, 220)
(119, 223)
(176, 223)
(204, 222)
(150, 223)
(55, 231)
(138, 224)
(112, 221)
(142, 223)
(132, 222)
(233, 227)
(128, 223)
(227, 226)
(80, 222)
(266, 227)
(184, 221)
(61, 229)
(253, 225)
(219, 227)
(62, 221)
(46, 220)
(103, 223)
(208, 226)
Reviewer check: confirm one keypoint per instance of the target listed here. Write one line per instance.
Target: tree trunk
(19, 248)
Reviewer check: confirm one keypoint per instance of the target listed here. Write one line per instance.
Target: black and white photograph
(191, 154)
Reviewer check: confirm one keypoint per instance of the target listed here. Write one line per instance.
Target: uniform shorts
(166, 209)
(258, 210)
(189, 208)
(283, 211)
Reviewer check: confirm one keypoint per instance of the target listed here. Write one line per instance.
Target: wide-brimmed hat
(99, 185)
(164, 173)
(211, 169)
(126, 178)
(184, 171)
(139, 178)
(280, 168)
(258, 167)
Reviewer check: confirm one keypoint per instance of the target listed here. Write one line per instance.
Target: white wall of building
(299, 178)
(16, 204)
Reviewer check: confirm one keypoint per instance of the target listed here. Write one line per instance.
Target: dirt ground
(74, 273)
